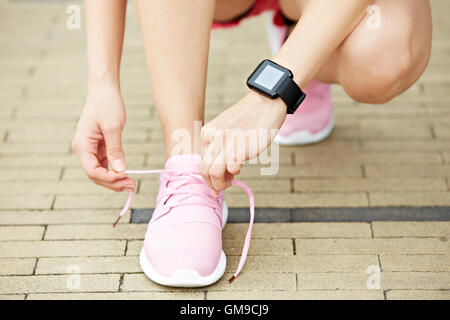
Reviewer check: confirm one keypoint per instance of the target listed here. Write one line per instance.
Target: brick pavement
(53, 220)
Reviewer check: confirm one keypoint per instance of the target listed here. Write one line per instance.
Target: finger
(229, 179)
(204, 172)
(235, 158)
(94, 169)
(126, 184)
(217, 173)
(114, 150)
(234, 168)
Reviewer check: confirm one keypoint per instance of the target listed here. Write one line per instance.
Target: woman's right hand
(98, 139)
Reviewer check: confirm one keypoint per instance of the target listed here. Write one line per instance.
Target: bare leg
(375, 65)
(177, 57)
(226, 10)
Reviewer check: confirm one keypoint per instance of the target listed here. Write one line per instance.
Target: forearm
(105, 24)
(320, 31)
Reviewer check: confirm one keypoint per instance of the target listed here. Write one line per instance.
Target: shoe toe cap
(188, 246)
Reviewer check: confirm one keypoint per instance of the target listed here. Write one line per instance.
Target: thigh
(389, 49)
(403, 32)
(227, 10)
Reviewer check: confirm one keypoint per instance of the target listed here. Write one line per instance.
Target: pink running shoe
(183, 243)
(313, 121)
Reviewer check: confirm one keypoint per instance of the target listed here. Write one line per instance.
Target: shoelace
(234, 183)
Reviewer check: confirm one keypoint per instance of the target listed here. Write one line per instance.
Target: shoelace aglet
(231, 279)
(117, 221)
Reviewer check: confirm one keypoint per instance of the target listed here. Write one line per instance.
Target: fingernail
(128, 189)
(118, 165)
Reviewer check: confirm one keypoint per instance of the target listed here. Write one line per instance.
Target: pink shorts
(259, 7)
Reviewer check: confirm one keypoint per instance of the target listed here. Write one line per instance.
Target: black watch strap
(291, 94)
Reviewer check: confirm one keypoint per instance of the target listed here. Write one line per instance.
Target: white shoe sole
(187, 278)
(304, 137)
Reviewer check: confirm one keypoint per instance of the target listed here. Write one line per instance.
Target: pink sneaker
(183, 243)
(313, 121)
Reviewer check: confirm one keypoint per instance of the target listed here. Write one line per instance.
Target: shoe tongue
(189, 163)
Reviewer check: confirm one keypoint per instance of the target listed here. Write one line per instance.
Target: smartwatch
(273, 81)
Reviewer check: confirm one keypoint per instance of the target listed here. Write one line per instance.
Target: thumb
(114, 150)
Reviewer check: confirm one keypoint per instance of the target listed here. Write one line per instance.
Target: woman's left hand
(238, 134)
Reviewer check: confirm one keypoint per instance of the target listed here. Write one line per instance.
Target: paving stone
(256, 282)
(370, 214)
(299, 230)
(297, 295)
(140, 282)
(304, 263)
(88, 265)
(25, 202)
(26, 149)
(446, 155)
(91, 202)
(58, 161)
(233, 247)
(71, 188)
(14, 249)
(134, 247)
(358, 281)
(418, 295)
(381, 164)
(372, 246)
(416, 280)
(198, 295)
(46, 135)
(304, 200)
(380, 184)
(62, 283)
(17, 266)
(235, 215)
(332, 281)
(411, 229)
(414, 263)
(305, 171)
(89, 232)
(110, 201)
(409, 199)
(407, 171)
(47, 217)
(21, 233)
(12, 297)
(413, 145)
(29, 174)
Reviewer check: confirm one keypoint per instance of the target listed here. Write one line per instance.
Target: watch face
(269, 77)
(266, 78)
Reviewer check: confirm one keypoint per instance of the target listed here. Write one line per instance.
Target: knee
(376, 84)
(377, 69)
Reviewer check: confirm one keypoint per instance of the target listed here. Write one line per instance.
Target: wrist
(96, 85)
(266, 105)
(103, 79)
(300, 77)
